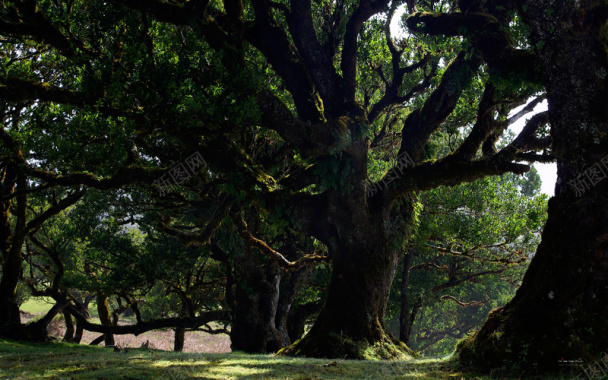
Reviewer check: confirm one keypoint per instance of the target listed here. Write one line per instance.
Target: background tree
(471, 251)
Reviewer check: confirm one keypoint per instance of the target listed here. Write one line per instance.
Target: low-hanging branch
(463, 304)
(204, 236)
(155, 324)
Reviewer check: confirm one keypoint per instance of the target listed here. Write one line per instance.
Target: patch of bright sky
(547, 172)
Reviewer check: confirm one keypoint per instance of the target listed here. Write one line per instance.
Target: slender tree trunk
(11, 270)
(11, 242)
(9, 309)
(103, 309)
(561, 309)
(84, 309)
(178, 343)
(404, 317)
(70, 329)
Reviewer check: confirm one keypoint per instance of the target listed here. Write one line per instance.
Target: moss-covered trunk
(561, 310)
(351, 323)
(103, 310)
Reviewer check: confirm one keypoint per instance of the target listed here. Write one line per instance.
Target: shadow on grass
(24, 360)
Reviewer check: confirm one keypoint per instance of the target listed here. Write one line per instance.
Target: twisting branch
(273, 42)
(527, 140)
(391, 94)
(319, 64)
(422, 122)
(488, 37)
(203, 237)
(455, 282)
(268, 251)
(526, 110)
(463, 304)
(362, 13)
(483, 127)
(28, 20)
(68, 201)
(312, 140)
(470, 253)
(155, 324)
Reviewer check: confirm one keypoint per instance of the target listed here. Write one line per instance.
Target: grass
(37, 305)
(41, 305)
(205, 357)
(22, 360)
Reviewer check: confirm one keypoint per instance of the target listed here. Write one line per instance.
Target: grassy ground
(20, 360)
(205, 357)
(37, 305)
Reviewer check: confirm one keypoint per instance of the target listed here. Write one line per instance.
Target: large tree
(339, 98)
(560, 310)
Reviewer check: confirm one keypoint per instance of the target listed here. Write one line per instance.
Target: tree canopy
(302, 130)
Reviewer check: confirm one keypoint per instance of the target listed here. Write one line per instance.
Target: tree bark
(352, 319)
(103, 309)
(68, 336)
(351, 322)
(10, 246)
(178, 343)
(254, 316)
(405, 328)
(560, 310)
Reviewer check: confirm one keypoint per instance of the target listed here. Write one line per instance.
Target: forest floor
(21, 360)
(205, 357)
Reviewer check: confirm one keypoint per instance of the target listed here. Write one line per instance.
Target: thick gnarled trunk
(351, 323)
(560, 311)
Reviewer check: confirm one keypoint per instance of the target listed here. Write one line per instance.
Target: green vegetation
(296, 175)
(21, 360)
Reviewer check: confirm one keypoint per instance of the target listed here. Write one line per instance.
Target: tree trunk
(84, 309)
(351, 323)
(103, 310)
(178, 343)
(253, 327)
(405, 328)
(11, 270)
(9, 312)
(560, 311)
(298, 315)
(68, 336)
